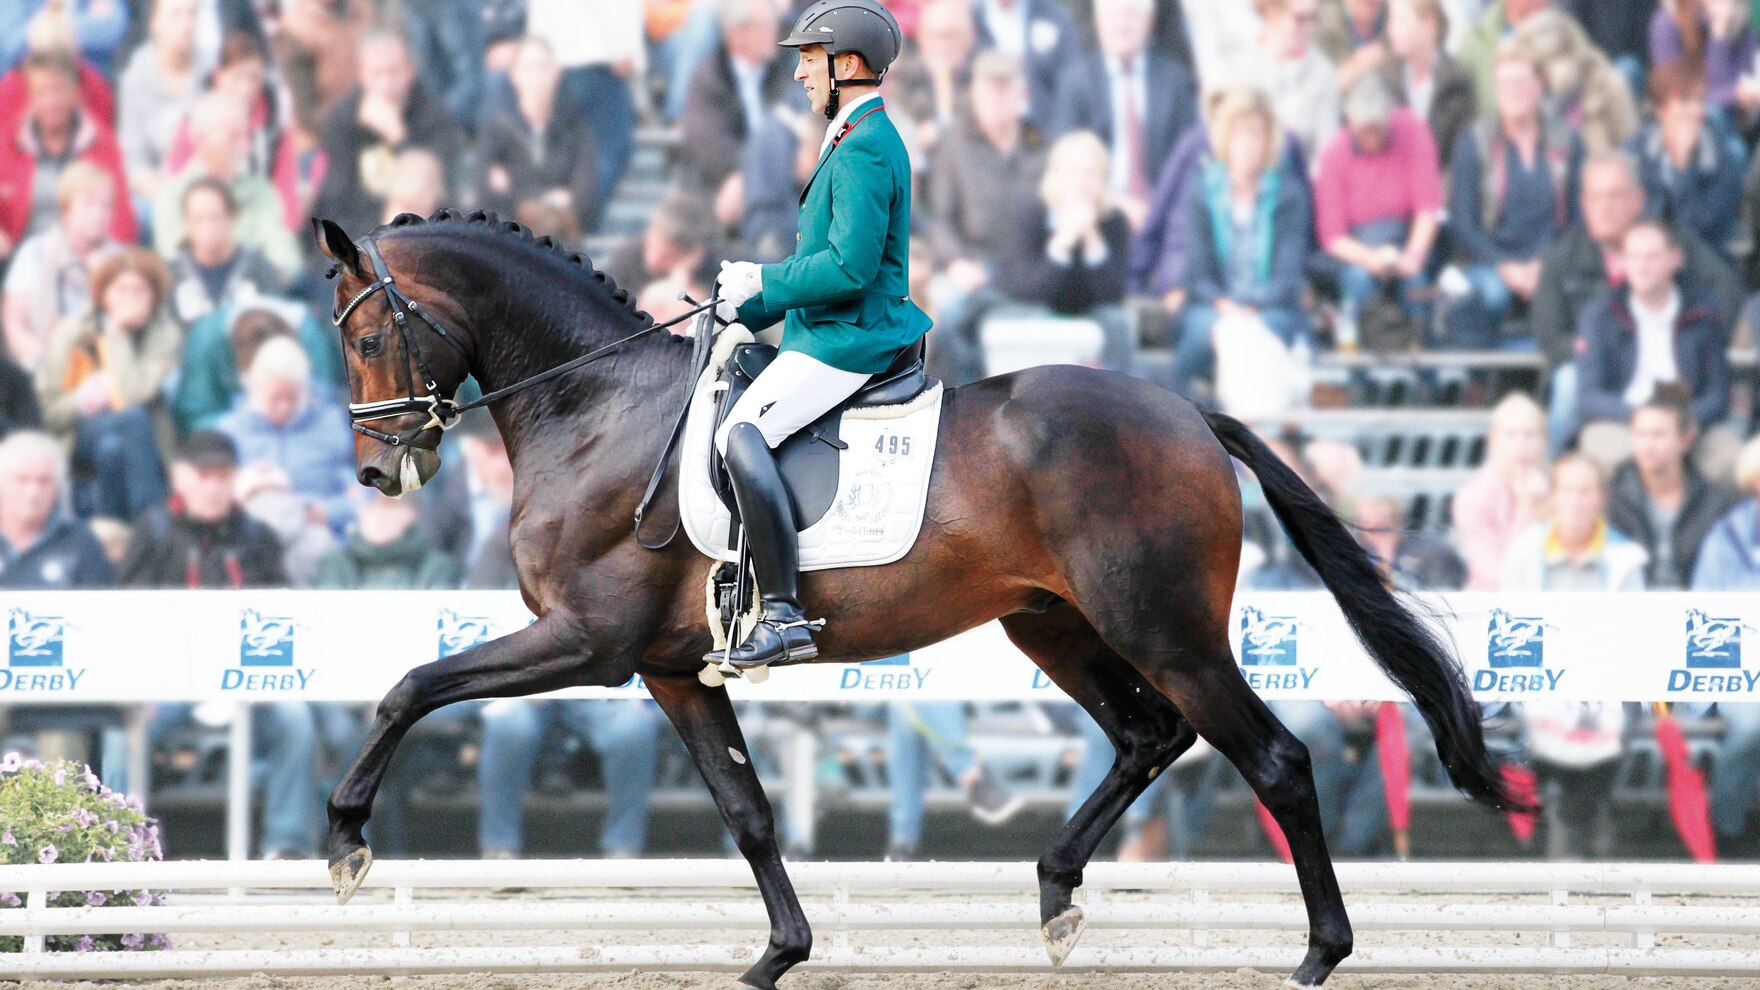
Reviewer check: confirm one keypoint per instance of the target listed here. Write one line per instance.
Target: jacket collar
(839, 129)
(1556, 554)
(1693, 307)
(84, 133)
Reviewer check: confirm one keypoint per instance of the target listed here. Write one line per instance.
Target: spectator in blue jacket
(1729, 560)
(98, 27)
(221, 344)
(1691, 167)
(41, 547)
(1512, 193)
(1158, 251)
(288, 441)
(1650, 331)
(1248, 231)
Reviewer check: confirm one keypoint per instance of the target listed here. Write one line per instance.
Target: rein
(444, 412)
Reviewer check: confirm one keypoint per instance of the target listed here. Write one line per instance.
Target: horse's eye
(369, 346)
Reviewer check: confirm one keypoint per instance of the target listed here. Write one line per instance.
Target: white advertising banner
(133, 646)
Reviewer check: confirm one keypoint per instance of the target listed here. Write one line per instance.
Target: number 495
(892, 443)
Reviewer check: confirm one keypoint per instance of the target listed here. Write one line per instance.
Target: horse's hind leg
(705, 721)
(1146, 730)
(1202, 680)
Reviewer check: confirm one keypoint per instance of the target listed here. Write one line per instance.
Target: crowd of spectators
(1246, 183)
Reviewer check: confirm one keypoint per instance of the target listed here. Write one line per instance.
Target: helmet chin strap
(836, 98)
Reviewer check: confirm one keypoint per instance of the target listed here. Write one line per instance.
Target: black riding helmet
(842, 26)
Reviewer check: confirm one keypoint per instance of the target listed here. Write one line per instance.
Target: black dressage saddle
(809, 459)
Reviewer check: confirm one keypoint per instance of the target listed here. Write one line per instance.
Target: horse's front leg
(704, 719)
(548, 654)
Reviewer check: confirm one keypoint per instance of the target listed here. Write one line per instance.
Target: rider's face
(812, 73)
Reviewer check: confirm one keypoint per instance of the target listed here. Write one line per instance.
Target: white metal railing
(277, 898)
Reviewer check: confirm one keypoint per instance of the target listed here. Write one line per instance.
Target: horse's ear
(336, 245)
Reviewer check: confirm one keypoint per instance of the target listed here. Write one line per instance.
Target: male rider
(843, 299)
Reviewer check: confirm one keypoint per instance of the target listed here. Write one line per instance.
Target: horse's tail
(1403, 647)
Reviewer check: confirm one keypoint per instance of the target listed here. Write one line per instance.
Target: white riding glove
(740, 281)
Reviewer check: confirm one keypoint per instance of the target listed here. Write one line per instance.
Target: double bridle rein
(444, 412)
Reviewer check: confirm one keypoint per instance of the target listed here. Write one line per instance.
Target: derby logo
(1516, 642)
(36, 647)
(265, 641)
(458, 633)
(1272, 641)
(34, 640)
(895, 675)
(1268, 640)
(1713, 644)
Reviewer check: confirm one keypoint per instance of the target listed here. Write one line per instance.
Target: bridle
(444, 412)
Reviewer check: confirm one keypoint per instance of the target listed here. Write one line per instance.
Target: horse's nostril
(371, 477)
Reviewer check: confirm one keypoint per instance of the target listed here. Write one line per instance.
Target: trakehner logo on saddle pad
(859, 477)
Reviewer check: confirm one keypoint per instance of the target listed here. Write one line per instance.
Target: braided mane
(487, 220)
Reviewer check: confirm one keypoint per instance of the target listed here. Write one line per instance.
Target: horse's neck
(619, 405)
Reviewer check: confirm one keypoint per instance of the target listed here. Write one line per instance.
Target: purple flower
(107, 853)
(83, 817)
(6, 838)
(95, 898)
(133, 941)
(61, 777)
(90, 779)
(84, 944)
(158, 941)
(10, 762)
(32, 764)
(48, 854)
(143, 899)
(114, 826)
(64, 827)
(10, 899)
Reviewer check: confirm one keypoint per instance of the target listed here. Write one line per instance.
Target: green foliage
(61, 813)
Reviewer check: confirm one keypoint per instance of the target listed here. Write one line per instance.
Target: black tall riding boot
(782, 631)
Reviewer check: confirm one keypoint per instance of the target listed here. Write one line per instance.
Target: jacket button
(797, 236)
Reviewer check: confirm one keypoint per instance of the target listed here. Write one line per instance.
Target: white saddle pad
(882, 482)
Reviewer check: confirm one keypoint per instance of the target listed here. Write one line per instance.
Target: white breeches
(788, 396)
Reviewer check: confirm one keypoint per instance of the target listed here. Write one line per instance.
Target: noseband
(441, 410)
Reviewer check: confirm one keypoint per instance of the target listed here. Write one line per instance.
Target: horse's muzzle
(400, 471)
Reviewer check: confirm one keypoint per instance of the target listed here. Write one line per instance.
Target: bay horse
(1097, 516)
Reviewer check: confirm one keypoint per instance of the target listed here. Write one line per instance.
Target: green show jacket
(846, 291)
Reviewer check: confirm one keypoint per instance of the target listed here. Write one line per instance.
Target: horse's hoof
(1061, 933)
(347, 872)
(758, 675)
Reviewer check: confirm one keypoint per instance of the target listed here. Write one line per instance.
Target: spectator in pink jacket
(1508, 492)
(1378, 199)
